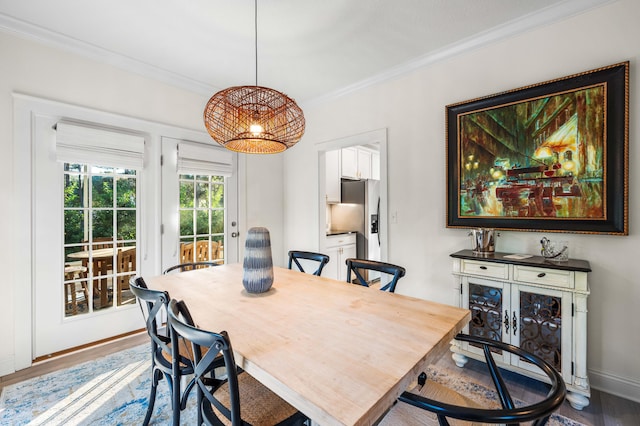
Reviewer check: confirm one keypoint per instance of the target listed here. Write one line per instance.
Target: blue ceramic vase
(257, 274)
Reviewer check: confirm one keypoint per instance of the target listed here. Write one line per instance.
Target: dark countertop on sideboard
(570, 265)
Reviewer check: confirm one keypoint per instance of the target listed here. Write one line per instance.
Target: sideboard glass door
(541, 329)
(488, 301)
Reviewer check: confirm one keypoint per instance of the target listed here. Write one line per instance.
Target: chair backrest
(356, 266)
(186, 252)
(538, 412)
(295, 255)
(181, 323)
(189, 266)
(152, 304)
(126, 263)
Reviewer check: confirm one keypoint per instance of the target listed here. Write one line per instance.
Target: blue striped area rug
(114, 390)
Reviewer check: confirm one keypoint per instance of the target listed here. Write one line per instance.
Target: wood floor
(604, 409)
(68, 360)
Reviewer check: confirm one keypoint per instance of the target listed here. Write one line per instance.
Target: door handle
(514, 323)
(235, 234)
(506, 321)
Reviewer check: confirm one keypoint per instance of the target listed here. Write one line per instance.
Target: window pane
(217, 221)
(220, 251)
(98, 170)
(73, 167)
(202, 222)
(97, 277)
(202, 195)
(186, 250)
(76, 295)
(186, 195)
(102, 187)
(201, 216)
(126, 268)
(217, 195)
(126, 192)
(102, 224)
(186, 222)
(73, 226)
(126, 222)
(73, 190)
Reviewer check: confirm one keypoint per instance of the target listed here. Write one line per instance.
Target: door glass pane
(541, 327)
(102, 191)
(186, 192)
(202, 222)
(102, 224)
(126, 192)
(485, 303)
(202, 218)
(100, 238)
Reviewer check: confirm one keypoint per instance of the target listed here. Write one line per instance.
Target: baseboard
(6, 365)
(619, 386)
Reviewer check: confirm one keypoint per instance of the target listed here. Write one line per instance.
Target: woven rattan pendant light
(254, 119)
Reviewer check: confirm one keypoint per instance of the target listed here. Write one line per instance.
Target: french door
(85, 227)
(199, 208)
(91, 235)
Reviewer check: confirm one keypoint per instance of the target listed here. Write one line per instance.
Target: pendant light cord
(255, 8)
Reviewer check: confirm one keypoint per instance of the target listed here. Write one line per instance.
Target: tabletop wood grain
(340, 353)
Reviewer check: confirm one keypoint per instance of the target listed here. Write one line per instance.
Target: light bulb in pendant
(256, 129)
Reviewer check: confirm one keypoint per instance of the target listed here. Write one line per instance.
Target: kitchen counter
(339, 232)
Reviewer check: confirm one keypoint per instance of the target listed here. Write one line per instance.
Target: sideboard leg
(577, 400)
(459, 359)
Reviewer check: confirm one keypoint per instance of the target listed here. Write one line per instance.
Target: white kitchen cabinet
(536, 305)
(332, 176)
(339, 248)
(375, 165)
(364, 164)
(349, 163)
(360, 163)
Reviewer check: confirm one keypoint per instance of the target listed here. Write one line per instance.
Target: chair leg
(175, 398)
(156, 376)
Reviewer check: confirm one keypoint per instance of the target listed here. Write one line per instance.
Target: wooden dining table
(340, 353)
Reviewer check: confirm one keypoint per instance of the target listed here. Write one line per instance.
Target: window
(100, 232)
(202, 202)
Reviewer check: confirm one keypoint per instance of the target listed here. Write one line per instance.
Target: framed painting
(549, 157)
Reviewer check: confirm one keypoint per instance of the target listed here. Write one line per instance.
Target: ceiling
(308, 49)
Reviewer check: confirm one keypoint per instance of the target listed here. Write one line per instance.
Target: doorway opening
(353, 199)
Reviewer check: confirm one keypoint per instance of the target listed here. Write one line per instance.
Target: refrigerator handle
(378, 212)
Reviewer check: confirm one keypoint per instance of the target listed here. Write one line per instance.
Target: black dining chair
(189, 266)
(296, 255)
(234, 396)
(361, 267)
(164, 363)
(423, 397)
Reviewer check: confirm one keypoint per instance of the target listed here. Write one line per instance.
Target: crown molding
(546, 16)
(542, 17)
(54, 39)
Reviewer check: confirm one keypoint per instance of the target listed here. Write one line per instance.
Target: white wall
(412, 108)
(40, 71)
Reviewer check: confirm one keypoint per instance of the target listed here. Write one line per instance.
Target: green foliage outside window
(105, 182)
(201, 205)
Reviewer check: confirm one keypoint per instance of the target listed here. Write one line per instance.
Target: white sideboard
(537, 305)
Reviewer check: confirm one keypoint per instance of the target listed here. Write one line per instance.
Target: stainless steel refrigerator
(362, 214)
